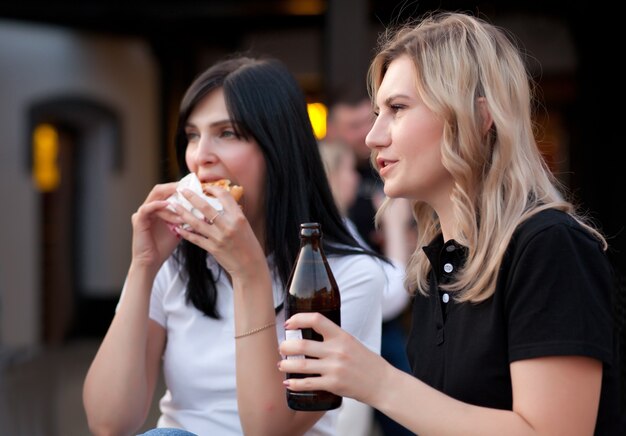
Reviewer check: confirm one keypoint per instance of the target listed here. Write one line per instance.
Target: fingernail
(286, 383)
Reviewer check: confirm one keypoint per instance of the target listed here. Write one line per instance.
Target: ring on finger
(212, 220)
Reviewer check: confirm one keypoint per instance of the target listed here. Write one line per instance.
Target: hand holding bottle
(345, 366)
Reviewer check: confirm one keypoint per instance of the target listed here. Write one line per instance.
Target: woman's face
(406, 139)
(214, 151)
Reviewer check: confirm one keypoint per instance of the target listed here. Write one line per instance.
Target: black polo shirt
(552, 298)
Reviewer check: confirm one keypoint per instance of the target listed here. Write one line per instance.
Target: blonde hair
(500, 177)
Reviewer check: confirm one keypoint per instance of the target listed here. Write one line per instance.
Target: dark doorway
(69, 310)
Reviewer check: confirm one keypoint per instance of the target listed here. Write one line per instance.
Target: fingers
(161, 191)
(159, 208)
(224, 198)
(321, 367)
(190, 218)
(314, 320)
(294, 350)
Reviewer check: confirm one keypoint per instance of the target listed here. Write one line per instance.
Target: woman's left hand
(345, 365)
(226, 234)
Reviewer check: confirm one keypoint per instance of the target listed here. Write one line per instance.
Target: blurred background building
(89, 95)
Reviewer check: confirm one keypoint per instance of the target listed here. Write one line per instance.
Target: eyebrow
(219, 123)
(389, 99)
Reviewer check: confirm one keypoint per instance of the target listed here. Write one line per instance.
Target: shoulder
(552, 246)
(355, 264)
(169, 278)
(553, 229)
(360, 272)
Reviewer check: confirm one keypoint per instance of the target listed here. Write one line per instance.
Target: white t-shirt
(199, 358)
(395, 296)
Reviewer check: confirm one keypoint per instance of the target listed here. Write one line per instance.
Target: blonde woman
(512, 327)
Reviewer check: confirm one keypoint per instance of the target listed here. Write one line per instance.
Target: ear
(485, 115)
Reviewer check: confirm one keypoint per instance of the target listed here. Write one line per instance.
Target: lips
(384, 165)
(210, 179)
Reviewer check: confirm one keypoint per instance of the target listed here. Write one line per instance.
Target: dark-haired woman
(204, 296)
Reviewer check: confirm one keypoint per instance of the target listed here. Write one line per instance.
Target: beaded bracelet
(256, 330)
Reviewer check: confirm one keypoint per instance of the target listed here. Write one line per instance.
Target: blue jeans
(167, 432)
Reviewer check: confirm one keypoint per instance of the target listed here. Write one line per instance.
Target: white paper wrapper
(191, 182)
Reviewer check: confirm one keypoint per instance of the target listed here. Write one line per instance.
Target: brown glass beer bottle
(311, 288)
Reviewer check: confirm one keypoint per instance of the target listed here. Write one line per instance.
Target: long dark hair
(265, 102)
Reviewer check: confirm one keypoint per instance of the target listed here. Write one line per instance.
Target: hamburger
(235, 190)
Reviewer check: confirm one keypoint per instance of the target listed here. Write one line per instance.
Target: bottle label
(294, 334)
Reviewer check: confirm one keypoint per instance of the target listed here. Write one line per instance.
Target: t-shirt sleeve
(361, 280)
(558, 296)
(156, 310)
(157, 295)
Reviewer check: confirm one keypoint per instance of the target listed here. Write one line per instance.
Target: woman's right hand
(342, 364)
(154, 238)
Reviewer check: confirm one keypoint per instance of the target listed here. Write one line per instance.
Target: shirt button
(445, 298)
(450, 248)
(448, 268)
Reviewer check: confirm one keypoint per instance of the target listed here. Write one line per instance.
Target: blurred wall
(36, 63)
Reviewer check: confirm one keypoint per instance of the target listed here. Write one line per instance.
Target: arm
(263, 408)
(544, 389)
(121, 380)
(260, 394)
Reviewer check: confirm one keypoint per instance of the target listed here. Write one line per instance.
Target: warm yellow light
(46, 174)
(317, 115)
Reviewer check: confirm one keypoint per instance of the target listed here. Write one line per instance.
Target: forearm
(260, 394)
(116, 392)
(427, 411)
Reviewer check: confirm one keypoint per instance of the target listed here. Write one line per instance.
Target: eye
(192, 136)
(228, 133)
(396, 107)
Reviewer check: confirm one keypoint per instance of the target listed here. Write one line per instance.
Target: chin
(390, 191)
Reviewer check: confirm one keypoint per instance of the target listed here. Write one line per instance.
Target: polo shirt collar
(439, 252)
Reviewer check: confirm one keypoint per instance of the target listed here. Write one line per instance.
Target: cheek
(251, 174)
(190, 160)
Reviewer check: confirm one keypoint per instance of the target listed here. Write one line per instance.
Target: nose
(202, 153)
(378, 135)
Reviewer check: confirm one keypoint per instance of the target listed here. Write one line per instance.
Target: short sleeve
(166, 278)
(558, 295)
(361, 281)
